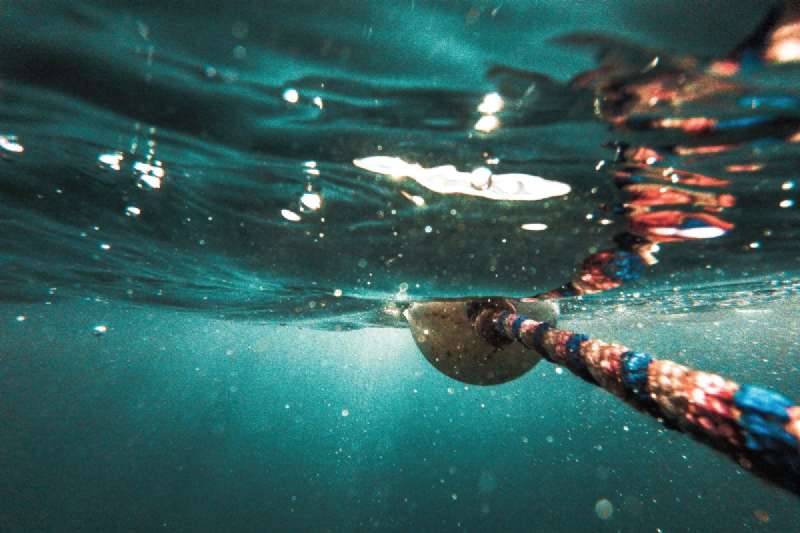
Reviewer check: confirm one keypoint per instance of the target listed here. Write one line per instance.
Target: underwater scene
(463, 265)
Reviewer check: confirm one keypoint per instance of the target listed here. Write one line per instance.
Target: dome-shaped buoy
(452, 336)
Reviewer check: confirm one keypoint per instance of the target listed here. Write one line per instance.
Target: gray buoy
(445, 332)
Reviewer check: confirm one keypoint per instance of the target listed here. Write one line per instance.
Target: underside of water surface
(215, 220)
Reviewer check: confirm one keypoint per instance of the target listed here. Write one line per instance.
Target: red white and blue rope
(756, 426)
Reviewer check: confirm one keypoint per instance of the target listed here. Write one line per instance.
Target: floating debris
(447, 179)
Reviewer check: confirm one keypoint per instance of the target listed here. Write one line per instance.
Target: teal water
(184, 177)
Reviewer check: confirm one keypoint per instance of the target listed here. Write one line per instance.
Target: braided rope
(756, 426)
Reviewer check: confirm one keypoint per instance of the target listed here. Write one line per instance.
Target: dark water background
(225, 394)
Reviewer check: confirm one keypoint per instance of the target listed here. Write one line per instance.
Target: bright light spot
(786, 49)
(709, 232)
(755, 245)
(318, 102)
(21, 318)
(534, 226)
(480, 178)
(786, 203)
(291, 96)
(345, 412)
(132, 210)
(105, 246)
(147, 168)
(310, 164)
(787, 185)
(487, 123)
(152, 181)
(291, 216)
(151, 174)
(492, 103)
(604, 221)
(311, 200)
(446, 179)
(10, 144)
(112, 159)
(99, 330)
(337, 293)
(419, 201)
(428, 229)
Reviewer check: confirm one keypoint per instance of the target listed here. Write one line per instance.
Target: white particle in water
(21, 318)
(105, 246)
(454, 496)
(133, 211)
(99, 330)
(291, 96)
(492, 103)
(487, 123)
(152, 181)
(311, 200)
(428, 229)
(787, 185)
(559, 370)
(755, 245)
(786, 203)
(534, 226)
(337, 293)
(291, 216)
(345, 412)
(549, 439)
